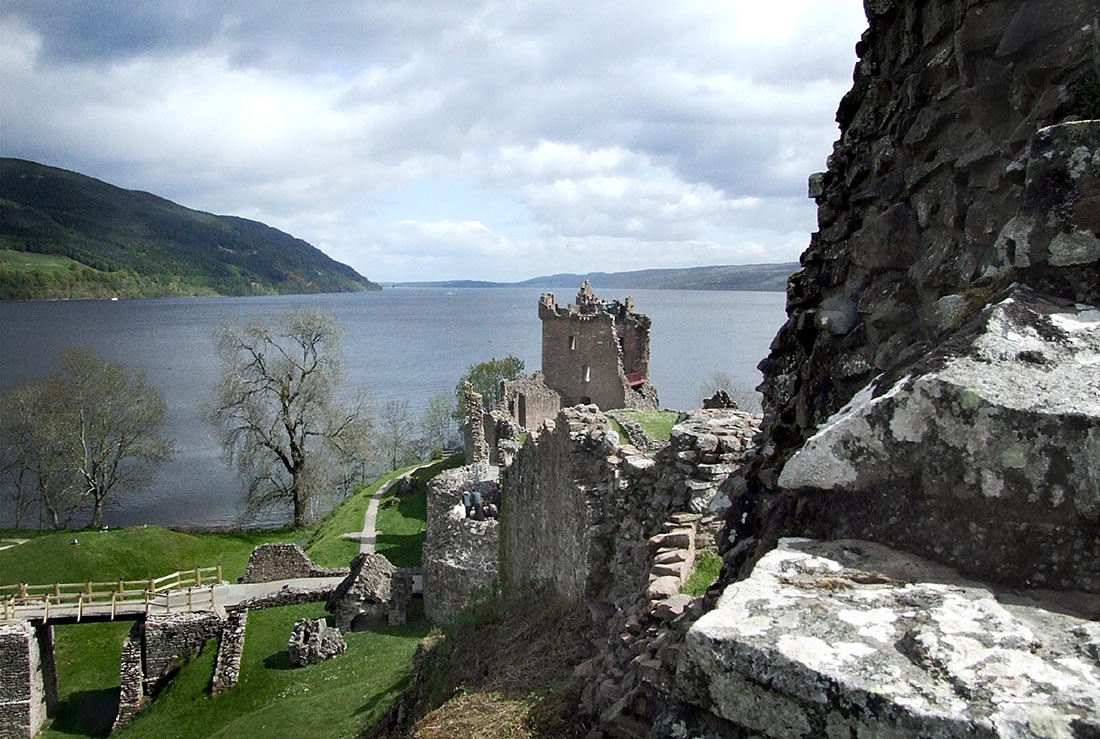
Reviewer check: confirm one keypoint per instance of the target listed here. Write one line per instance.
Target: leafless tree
(395, 433)
(276, 412)
(438, 422)
(83, 432)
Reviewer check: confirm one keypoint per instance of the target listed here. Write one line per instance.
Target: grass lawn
(336, 698)
(144, 551)
(657, 424)
(25, 261)
(401, 518)
(327, 546)
(272, 698)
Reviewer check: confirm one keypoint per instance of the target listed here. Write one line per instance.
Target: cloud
(381, 131)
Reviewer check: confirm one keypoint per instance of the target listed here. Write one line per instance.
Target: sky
(441, 139)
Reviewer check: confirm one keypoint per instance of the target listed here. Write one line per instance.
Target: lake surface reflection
(401, 343)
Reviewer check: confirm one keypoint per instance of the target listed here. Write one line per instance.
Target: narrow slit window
(572, 343)
(586, 373)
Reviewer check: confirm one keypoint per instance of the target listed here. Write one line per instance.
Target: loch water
(400, 343)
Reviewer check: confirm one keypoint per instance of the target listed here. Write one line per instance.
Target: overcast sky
(444, 139)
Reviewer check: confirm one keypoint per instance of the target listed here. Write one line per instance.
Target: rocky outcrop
(908, 356)
(283, 561)
(984, 454)
(849, 638)
(313, 641)
(363, 598)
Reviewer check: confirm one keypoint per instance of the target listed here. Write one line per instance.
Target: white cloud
(612, 136)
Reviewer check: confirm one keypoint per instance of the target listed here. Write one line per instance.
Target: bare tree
(276, 412)
(395, 432)
(83, 432)
(35, 469)
(438, 422)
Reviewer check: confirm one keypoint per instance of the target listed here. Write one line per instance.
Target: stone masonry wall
(227, 666)
(282, 561)
(944, 189)
(579, 508)
(131, 695)
(172, 638)
(460, 554)
(23, 704)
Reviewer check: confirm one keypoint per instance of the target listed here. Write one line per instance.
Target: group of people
(476, 507)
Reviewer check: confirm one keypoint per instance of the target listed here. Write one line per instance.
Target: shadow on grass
(404, 550)
(279, 661)
(87, 712)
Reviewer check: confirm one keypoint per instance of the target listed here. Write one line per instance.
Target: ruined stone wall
(579, 507)
(460, 554)
(282, 561)
(529, 401)
(573, 341)
(941, 192)
(474, 443)
(28, 681)
(227, 666)
(131, 682)
(172, 638)
(632, 330)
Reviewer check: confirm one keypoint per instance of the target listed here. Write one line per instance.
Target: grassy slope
(25, 261)
(146, 551)
(350, 691)
(332, 699)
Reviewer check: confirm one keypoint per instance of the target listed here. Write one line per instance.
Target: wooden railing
(183, 590)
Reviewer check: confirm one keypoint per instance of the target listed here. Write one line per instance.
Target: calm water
(403, 343)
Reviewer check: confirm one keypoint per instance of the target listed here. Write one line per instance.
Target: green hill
(100, 241)
(766, 277)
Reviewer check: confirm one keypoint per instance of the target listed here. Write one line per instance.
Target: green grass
(25, 261)
(402, 518)
(87, 657)
(657, 424)
(333, 699)
(707, 566)
(350, 691)
(144, 551)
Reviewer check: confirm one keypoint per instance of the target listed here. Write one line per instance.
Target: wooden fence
(183, 590)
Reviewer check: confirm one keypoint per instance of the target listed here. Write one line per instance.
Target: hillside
(66, 235)
(767, 277)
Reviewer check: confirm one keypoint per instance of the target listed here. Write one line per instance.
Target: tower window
(586, 373)
(572, 343)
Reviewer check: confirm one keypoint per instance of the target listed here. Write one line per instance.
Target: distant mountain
(99, 240)
(767, 277)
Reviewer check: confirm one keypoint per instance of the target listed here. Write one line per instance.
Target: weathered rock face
(956, 176)
(313, 641)
(849, 638)
(983, 455)
(363, 598)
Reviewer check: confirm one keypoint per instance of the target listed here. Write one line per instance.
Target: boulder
(313, 641)
(363, 598)
(850, 638)
(982, 455)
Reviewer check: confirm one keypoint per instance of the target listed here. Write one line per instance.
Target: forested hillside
(65, 235)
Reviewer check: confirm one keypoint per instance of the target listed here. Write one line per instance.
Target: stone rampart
(460, 553)
(131, 695)
(283, 561)
(28, 680)
(939, 334)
